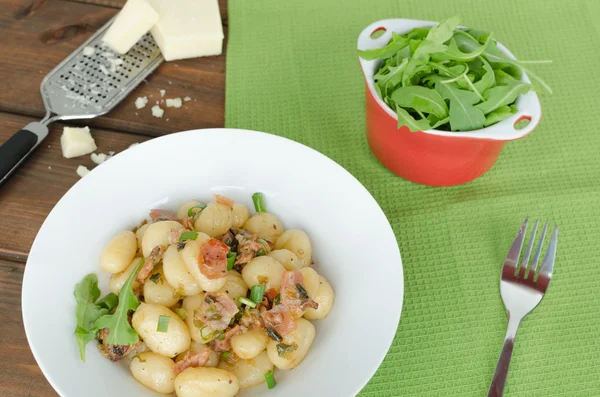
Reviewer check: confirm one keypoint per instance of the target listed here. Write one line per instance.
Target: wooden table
(36, 36)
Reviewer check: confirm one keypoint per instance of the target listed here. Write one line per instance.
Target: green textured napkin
(292, 70)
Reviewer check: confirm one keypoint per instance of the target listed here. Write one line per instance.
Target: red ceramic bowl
(434, 158)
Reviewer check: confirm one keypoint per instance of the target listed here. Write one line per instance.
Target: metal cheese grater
(87, 84)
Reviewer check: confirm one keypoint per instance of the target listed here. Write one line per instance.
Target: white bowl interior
(304, 188)
(528, 104)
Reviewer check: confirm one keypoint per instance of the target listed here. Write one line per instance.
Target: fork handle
(499, 379)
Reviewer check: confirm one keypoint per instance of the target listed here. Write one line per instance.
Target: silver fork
(522, 288)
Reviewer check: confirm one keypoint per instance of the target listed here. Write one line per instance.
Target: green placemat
(292, 70)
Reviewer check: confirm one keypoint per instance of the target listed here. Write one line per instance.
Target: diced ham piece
(163, 215)
(213, 259)
(293, 294)
(224, 200)
(280, 319)
(224, 345)
(192, 359)
(155, 256)
(216, 311)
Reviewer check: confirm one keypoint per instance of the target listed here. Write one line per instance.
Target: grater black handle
(18, 147)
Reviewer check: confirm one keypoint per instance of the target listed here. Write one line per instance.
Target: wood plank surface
(39, 34)
(29, 195)
(20, 375)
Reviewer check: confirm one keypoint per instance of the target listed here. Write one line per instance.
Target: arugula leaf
(444, 31)
(502, 95)
(392, 78)
(87, 311)
(404, 118)
(488, 79)
(463, 115)
(498, 115)
(83, 337)
(455, 54)
(396, 44)
(120, 331)
(422, 99)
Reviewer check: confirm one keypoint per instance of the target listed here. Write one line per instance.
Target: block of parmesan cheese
(76, 142)
(188, 28)
(133, 21)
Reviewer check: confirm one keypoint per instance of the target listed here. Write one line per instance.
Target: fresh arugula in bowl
(448, 78)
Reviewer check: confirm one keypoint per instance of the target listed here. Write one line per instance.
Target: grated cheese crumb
(162, 92)
(186, 99)
(87, 51)
(133, 144)
(174, 103)
(157, 111)
(49, 167)
(82, 171)
(141, 102)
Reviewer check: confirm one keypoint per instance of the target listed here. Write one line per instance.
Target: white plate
(354, 248)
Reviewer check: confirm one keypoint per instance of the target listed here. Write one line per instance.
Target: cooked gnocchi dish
(205, 301)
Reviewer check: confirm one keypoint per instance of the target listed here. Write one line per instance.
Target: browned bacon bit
(192, 359)
(155, 256)
(270, 294)
(280, 319)
(251, 319)
(229, 239)
(247, 249)
(110, 351)
(213, 259)
(223, 345)
(224, 200)
(293, 295)
(163, 215)
(216, 311)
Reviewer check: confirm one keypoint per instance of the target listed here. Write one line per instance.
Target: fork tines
(528, 270)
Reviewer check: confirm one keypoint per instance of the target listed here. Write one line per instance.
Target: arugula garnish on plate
(449, 78)
(110, 312)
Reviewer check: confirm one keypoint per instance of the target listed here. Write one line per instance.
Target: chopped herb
(283, 349)
(257, 292)
(277, 299)
(188, 236)
(163, 323)
(225, 355)
(270, 378)
(182, 313)
(155, 278)
(231, 256)
(215, 317)
(181, 245)
(193, 213)
(219, 335)
(109, 302)
(274, 335)
(302, 291)
(246, 301)
(260, 252)
(259, 202)
(140, 359)
(120, 331)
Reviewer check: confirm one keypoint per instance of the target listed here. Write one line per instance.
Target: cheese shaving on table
(141, 102)
(77, 142)
(99, 158)
(157, 111)
(82, 171)
(186, 99)
(173, 102)
(162, 92)
(88, 51)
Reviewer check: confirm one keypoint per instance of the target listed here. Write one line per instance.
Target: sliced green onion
(163, 323)
(191, 211)
(231, 260)
(270, 378)
(181, 312)
(246, 301)
(260, 252)
(257, 292)
(109, 302)
(225, 355)
(188, 236)
(283, 349)
(301, 291)
(259, 202)
(155, 278)
(277, 299)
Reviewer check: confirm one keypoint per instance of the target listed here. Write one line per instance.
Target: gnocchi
(215, 220)
(298, 242)
(219, 298)
(206, 382)
(265, 225)
(154, 371)
(175, 340)
(263, 270)
(119, 252)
